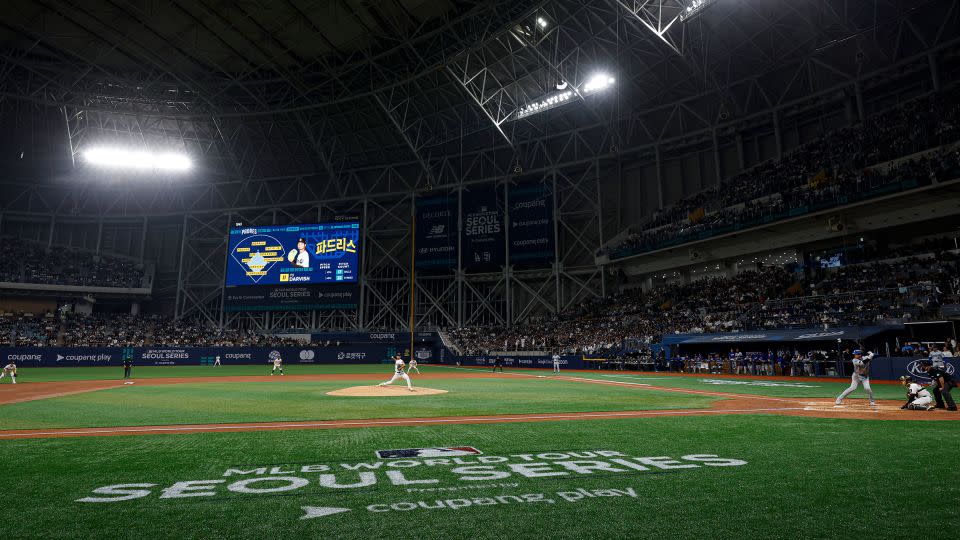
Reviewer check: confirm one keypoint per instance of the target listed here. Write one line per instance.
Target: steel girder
(450, 299)
(743, 58)
(744, 67)
(691, 122)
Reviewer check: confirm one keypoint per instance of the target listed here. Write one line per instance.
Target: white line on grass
(368, 423)
(681, 390)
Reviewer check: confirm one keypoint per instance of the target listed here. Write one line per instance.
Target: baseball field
(204, 452)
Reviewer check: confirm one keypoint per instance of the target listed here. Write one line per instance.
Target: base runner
(277, 365)
(11, 370)
(861, 375)
(918, 397)
(398, 373)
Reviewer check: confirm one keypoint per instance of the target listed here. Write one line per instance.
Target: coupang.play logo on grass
(455, 474)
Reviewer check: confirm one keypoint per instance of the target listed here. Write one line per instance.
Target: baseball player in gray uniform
(861, 375)
(556, 363)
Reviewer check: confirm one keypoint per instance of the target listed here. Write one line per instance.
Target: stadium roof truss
(293, 108)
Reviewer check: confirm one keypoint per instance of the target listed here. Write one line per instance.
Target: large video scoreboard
(289, 267)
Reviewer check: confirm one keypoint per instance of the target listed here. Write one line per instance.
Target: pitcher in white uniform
(398, 373)
(11, 370)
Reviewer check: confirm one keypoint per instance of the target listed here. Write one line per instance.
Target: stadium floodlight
(545, 104)
(597, 82)
(541, 22)
(119, 158)
(694, 8)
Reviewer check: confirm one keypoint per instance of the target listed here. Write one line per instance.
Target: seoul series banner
(436, 232)
(482, 231)
(531, 225)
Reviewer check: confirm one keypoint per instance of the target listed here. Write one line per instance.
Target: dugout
(836, 343)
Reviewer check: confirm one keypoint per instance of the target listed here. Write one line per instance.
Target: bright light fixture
(600, 81)
(119, 158)
(694, 7)
(544, 104)
(541, 22)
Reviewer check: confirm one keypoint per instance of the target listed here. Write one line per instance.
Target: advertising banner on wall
(370, 353)
(531, 225)
(482, 229)
(436, 232)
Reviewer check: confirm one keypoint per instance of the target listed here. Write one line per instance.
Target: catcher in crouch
(918, 397)
(398, 373)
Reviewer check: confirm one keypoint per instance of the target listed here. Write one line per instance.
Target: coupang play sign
(457, 469)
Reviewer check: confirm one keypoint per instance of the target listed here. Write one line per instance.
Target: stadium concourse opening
(487, 269)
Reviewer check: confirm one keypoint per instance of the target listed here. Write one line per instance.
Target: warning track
(730, 404)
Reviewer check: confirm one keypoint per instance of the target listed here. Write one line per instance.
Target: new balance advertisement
(436, 232)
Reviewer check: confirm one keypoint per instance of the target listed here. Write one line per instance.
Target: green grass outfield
(286, 400)
(802, 478)
(762, 386)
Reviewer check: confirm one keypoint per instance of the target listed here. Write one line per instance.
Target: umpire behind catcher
(943, 383)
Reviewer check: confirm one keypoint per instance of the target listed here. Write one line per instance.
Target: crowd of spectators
(28, 262)
(829, 172)
(890, 289)
(120, 330)
(875, 293)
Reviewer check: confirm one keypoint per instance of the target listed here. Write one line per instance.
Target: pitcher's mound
(380, 391)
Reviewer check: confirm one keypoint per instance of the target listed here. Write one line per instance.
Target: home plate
(385, 391)
(830, 406)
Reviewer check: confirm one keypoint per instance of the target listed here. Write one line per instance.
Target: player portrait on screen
(300, 257)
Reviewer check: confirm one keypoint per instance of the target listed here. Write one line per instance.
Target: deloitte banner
(482, 231)
(531, 225)
(436, 232)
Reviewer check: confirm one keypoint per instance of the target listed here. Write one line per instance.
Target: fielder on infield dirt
(398, 373)
(861, 375)
(413, 366)
(11, 370)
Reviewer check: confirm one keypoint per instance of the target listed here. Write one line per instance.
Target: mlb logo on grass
(452, 451)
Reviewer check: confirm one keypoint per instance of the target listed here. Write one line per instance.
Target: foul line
(646, 386)
(373, 423)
